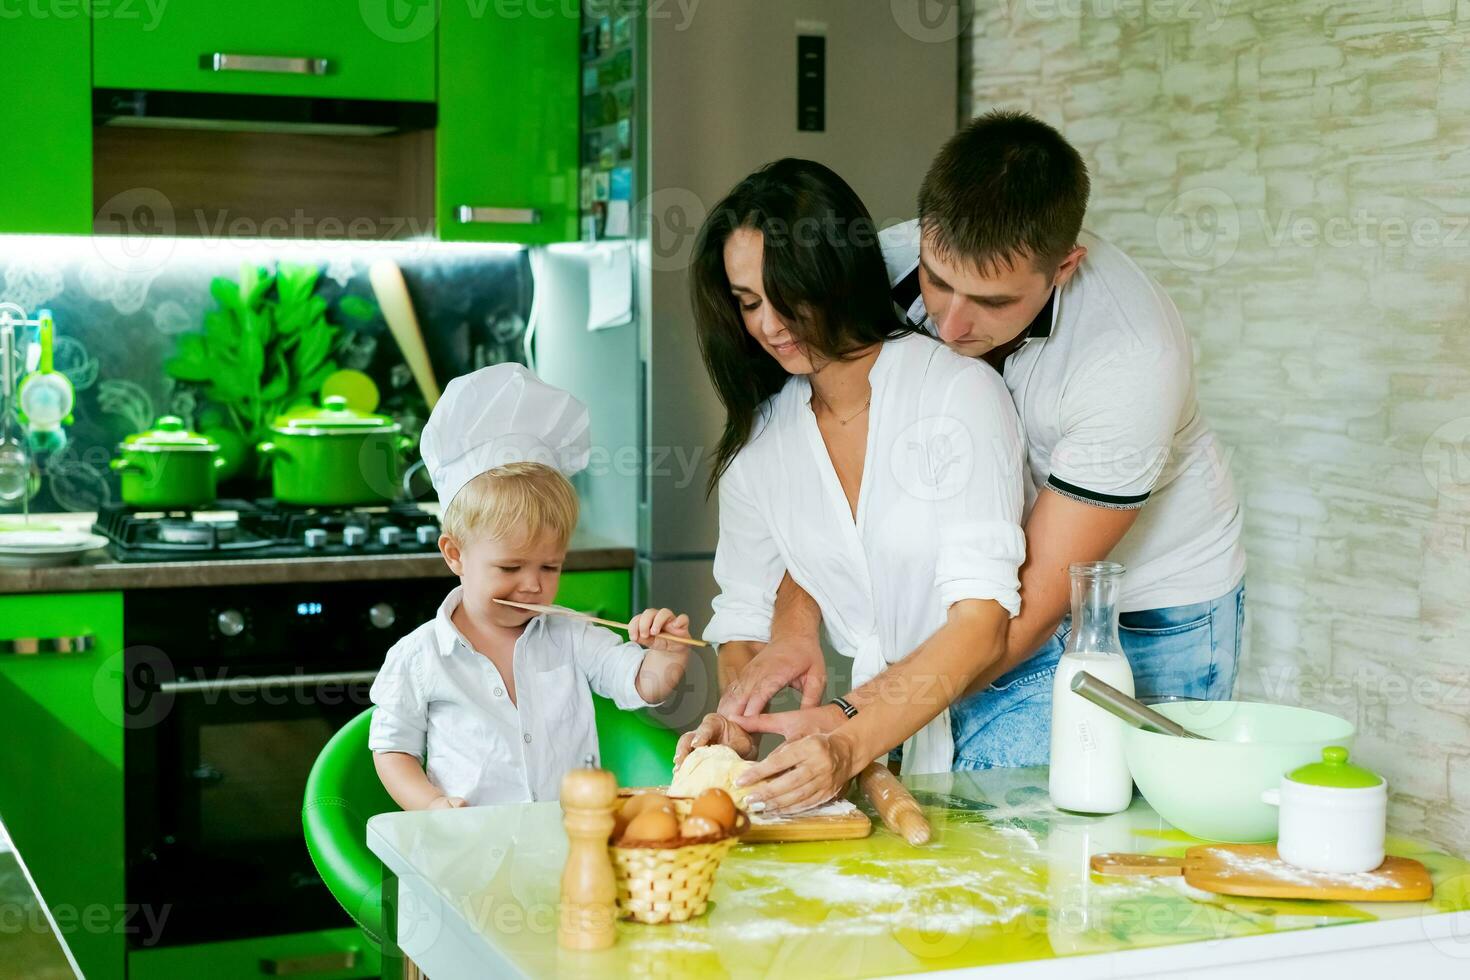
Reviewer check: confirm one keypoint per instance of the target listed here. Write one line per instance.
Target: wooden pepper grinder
(588, 891)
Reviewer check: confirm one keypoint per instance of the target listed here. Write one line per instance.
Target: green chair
(343, 791)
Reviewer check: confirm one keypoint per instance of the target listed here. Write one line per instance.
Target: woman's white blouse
(437, 695)
(938, 518)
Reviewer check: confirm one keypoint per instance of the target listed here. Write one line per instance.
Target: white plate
(53, 547)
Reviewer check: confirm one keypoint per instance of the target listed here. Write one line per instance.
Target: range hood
(258, 113)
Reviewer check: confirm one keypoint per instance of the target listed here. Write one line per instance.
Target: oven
(231, 694)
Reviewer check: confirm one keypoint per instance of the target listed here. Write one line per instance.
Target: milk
(1089, 773)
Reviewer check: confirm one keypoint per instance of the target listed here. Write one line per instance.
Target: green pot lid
(170, 433)
(1335, 771)
(335, 416)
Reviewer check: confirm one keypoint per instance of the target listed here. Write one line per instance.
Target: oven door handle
(274, 680)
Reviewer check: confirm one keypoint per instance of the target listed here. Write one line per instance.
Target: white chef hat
(500, 415)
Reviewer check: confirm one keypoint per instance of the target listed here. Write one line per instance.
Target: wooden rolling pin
(899, 810)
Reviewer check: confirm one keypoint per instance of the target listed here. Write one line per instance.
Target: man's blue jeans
(1187, 651)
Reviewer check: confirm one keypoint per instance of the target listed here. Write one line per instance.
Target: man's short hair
(1007, 187)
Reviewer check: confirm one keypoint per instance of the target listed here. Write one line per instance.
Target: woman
(878, 468)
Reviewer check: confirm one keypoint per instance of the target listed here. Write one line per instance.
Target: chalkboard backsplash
(122, 305)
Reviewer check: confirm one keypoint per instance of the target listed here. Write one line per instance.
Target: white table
(1004, 891)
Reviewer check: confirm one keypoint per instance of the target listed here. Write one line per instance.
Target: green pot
(334, 457)
(168, 467)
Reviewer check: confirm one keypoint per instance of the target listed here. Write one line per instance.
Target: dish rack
(18, 479)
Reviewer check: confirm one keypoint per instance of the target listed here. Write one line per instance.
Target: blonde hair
(517, 501)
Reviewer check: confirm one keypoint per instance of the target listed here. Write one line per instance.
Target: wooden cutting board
(1257, 871)
(808, 826)
(800, 827)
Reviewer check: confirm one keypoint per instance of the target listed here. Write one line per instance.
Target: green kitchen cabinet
(331, 954)
(46, 119)
(61, 768)
(340, 49)
(506, 144)
(607, 595)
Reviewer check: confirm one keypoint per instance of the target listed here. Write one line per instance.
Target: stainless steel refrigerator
(711, 91)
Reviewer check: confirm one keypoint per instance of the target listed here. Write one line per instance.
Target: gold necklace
(842, 421)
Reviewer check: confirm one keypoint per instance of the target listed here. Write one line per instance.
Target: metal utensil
(1115, 702)
(15, 462)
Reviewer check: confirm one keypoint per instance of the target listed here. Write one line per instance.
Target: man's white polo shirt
(1104, 385)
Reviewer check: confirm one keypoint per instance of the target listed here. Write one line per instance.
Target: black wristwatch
(845, 705)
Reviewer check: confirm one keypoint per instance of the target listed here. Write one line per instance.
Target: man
(1124, 466)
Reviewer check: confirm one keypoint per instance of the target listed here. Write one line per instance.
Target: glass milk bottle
(1088, 771)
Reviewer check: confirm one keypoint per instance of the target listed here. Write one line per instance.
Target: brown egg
(715, 804)
(652, 825)
(694, 826)
(636, 804)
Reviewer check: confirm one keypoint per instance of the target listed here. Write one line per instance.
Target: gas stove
(239, 529)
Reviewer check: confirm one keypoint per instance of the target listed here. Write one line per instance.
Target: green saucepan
(168, 467)
(334, 457)
(1212, 789)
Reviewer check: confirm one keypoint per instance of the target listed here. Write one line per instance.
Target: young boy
(498, 698)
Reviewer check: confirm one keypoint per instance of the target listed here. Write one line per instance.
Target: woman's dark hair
(823, 272)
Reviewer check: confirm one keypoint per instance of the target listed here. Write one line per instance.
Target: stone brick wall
(1295, 173)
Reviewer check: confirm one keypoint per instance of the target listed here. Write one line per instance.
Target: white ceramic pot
(1330, 828)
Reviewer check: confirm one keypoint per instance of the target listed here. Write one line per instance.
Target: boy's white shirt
(435, 694)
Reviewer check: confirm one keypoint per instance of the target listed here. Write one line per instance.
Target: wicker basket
(670, 881)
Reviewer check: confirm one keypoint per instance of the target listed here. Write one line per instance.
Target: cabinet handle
(23, 646)
(219, 61)
(468, 215)
(298, 965)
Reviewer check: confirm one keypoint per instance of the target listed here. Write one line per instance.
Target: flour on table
(1242, 866)
(837, 808)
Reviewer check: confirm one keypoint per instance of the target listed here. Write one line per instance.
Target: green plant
(266, 348)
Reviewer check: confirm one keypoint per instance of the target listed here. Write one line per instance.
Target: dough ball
(710, 767)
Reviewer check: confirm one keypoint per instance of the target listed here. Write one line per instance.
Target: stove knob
(426, 534)
(382, 615)
(354, 536)
(390, 536)
(316, 538)
(231, 622)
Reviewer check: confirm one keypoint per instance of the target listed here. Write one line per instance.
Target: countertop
(29, 944)
(99, 572)
(1005, 885)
